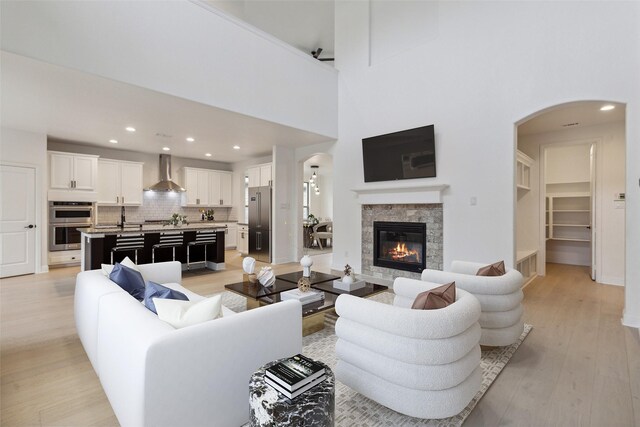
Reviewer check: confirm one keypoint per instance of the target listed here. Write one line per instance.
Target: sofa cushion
(155, 290)
(495, 269)
(128, 279)
(180, 314)
(435, 298)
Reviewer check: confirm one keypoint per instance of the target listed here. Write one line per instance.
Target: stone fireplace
(400, 240)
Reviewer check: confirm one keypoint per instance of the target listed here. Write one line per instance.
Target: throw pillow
(495, 269)
(155, 290)
(108, 268)
(180, 314)
(128, 279)
(435, 298)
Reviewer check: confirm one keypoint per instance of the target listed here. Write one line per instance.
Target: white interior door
(17, 220)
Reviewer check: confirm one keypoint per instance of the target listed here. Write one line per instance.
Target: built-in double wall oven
(64, 220)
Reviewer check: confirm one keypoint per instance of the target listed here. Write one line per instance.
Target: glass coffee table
(312, 313)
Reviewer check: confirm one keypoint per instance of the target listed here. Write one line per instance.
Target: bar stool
(167, 240)
(128, 242)
(202, 238)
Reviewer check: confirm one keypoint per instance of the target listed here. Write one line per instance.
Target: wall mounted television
(407, 154)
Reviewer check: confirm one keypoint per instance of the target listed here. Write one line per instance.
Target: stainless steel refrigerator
(260, 223)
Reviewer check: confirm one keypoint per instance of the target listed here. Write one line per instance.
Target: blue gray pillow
(155, 290)
(128, 279)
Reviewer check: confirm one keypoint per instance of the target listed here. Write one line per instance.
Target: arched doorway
(570, 187)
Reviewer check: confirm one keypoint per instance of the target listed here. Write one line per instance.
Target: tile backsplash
(160, 206)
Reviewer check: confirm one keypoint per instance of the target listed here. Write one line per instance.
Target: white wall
(610, 179)
(489, 65)
(27, 148)
(182, 48)
(284, 208)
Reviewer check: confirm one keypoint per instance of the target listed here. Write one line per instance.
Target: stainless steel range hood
(165, 184)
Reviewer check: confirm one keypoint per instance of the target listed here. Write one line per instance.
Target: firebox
(400, 245)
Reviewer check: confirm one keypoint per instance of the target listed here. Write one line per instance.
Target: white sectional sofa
(155, 375)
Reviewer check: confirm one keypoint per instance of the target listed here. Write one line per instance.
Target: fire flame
(402, 253)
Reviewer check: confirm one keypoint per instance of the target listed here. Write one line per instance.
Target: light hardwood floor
(579, 365)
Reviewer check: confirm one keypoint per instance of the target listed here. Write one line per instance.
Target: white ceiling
(71, 105)
(584, 113)
(304, 24)
(324, 163)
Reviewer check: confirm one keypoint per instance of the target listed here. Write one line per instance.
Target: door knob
(30, 226)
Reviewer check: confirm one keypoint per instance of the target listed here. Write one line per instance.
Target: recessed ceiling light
(190, 139)
(113, 141)
(166, 148)
(130, 129)
(236, 147)
(607, 107)
(208, 154)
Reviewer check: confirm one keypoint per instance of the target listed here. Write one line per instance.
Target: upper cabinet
(207, 188)
(260, 175)
(220, 188)
(73, 171)
(72, 177)
(119, 183)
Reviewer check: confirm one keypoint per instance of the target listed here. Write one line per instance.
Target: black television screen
(406, 154)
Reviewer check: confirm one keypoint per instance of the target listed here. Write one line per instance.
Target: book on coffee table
(294, 372)
(304, 297)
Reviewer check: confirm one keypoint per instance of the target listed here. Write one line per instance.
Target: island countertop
(151, 228)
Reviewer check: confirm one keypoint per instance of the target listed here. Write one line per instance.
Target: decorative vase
(306, 262)
(304, 284)
(248, 265)
(266, 277)
(347, 279)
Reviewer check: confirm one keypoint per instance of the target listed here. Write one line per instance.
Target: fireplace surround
(400, 245)
(424, 213)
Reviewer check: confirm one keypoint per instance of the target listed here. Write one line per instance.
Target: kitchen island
(199, 244)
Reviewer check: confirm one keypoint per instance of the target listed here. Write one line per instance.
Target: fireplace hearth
(400, 245)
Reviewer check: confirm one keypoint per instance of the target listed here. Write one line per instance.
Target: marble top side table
(315, 407)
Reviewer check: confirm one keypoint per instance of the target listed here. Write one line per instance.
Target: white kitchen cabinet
(196, 182)
(242, 242)
(220, 188)
(119, 183)
(207, 188)
(265, 175)
(260, 175)
(70, 171)
(231, 235)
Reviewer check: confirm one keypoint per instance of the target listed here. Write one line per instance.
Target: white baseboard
(611, 280)
(43, 269)
(631, 321)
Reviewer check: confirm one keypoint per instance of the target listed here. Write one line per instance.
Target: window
(305, 200)
(246, 198)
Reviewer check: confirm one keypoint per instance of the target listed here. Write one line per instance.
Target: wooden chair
(323, 230)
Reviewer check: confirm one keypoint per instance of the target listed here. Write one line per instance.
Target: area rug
(353, 409)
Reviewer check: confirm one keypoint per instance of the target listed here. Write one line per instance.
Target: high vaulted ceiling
(304, 24)
(71, 105)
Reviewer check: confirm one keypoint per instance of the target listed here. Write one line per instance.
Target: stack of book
(295, 375)
(304, 297)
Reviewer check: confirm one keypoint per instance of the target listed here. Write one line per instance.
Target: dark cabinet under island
(194, 245)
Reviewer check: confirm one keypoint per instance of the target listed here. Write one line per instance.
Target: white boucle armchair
(500, 298)
(421, 363)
